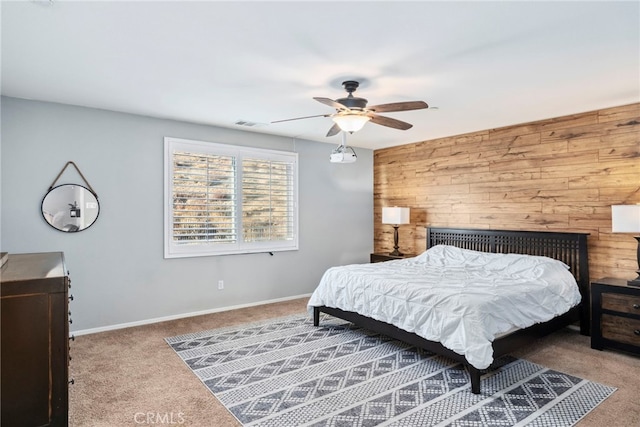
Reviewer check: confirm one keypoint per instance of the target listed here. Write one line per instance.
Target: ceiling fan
(352, 112)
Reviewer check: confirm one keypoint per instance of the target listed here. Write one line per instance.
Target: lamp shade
(625, 218)
(395, 215)
(351, 122)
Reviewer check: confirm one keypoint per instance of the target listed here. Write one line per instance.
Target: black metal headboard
(570, 248)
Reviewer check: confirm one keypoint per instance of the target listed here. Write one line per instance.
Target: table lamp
(395, 216)
(626, 219)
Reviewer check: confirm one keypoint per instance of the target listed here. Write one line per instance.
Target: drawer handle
(72, 338)
(637, 332)
(72, 381)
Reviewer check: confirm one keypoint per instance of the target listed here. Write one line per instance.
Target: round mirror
(70, 208)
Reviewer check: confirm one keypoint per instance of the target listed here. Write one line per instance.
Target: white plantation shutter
(267, 201)
(204, 196)
(223, 199)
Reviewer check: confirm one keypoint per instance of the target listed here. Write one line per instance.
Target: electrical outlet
(220, 285)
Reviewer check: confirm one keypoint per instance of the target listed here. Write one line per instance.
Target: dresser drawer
(621, 303)
(621, 329)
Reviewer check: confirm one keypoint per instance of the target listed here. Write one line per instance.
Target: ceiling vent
(250, 124)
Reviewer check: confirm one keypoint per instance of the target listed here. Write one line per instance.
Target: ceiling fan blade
(300, 118)
(389, 122)
(331, 103)
(335, 129)
(399, 106)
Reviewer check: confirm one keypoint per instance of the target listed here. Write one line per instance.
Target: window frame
(208, 248)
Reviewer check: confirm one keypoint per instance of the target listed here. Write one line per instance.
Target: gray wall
(118, 272)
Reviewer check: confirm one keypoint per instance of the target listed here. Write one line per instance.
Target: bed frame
(570, 248)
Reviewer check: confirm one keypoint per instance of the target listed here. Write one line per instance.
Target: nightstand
(615, 315)
(387, 257)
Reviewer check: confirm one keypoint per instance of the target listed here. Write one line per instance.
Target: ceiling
(481, 64)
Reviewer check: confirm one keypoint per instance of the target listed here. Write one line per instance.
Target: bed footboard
(400, 335)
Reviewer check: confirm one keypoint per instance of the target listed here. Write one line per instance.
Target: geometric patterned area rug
(287, 373)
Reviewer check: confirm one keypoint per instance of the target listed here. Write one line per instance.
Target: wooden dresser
(34, 340)
(615, 315)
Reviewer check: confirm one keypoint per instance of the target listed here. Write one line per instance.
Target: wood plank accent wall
(561, 174)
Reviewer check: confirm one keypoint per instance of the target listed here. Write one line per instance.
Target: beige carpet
(131, 377)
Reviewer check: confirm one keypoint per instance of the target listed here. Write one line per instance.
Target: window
(225, 199)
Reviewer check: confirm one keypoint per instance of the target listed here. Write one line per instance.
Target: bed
(568, 248)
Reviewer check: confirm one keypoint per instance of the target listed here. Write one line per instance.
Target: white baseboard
(180, 316)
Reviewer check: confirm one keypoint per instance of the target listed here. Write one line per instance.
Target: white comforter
(460, 298)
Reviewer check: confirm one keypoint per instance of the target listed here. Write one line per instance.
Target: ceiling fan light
(351, 122)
